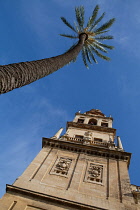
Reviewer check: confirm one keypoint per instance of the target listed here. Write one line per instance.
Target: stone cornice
(92, 115)
(48, 198)
(91, 127)
(87, 149)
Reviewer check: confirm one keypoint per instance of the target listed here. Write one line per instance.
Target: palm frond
(105, 45)
(84, 58)
(91, 54)
(78, 18)
(101, 32)
(99, 54)
(77, 27)
(82, 10)
(106, 25)
(104, 37)
(68, 24)
(79, 11)
(69, 36)
(92, 45)
(99, 47)
(93, 17)
(87, 55)
(97, 21)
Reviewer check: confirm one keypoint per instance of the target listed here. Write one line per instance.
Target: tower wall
(75, 173)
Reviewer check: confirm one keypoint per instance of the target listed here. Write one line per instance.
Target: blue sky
(30, 30)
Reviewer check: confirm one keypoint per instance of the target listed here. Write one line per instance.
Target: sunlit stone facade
(82, 169)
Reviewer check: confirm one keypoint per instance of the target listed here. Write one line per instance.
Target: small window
(79, 137)
(104, 124)
(80, 120)
(92, 122)
(98, 140)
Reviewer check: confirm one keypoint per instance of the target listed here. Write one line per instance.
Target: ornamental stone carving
(94, 173)
(89, 134)
(62, 166)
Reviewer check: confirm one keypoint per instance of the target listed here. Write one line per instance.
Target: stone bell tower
(82, 169)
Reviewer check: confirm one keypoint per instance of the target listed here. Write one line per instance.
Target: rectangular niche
(61, 166)
(94, 173)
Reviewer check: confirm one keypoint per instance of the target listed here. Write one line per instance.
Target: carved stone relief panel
(94, 173)
(88, 137)
(61, 166)
(88, 134)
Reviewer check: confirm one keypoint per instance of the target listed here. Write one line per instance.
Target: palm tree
(19, 74)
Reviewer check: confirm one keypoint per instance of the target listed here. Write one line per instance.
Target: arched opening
(92, 122)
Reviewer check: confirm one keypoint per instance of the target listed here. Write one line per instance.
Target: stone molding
(44, 197)
(87, 149)
(91, 127)
(93, 115)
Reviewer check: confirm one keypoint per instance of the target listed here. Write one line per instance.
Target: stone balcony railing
(87, 141)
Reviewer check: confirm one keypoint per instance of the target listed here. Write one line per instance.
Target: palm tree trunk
(19, 74)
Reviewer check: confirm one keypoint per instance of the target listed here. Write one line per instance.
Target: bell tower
(82, 169)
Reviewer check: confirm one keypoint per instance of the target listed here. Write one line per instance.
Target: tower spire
(119, 143)
(57, 135)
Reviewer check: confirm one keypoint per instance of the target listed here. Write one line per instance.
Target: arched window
(92, 122)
